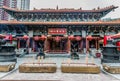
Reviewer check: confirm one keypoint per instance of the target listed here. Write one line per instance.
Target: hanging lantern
(78, 38)
(106, 38)
(43, 37)
(25, 37)
(2, 36)
(71, 37)
(10, 38)
(7, 37)
(118, 44)
(36, 38)
(89, 38)
(57, 38)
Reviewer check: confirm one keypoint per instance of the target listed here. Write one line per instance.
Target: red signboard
(54, 31)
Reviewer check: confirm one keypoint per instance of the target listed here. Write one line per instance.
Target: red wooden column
(36, 38)
(98, 43)
(18, 43)
(81, 46)
(87, 45)
(33, 43)
(69, 46)
(98, 46)
(33, 46)
(88, 38)
(46, 45)
(96, 40)
(88, 48)
(28, 42)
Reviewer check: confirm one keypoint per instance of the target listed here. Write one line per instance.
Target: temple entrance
(92, 44)
(39, 46)
(22, 43)
(56, 47)
(75, 46)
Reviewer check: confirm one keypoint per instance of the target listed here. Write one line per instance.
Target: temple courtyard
(58, 76)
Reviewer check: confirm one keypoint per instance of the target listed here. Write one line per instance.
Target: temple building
(59, 30)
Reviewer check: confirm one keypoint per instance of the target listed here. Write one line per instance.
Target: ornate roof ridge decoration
(112, 7)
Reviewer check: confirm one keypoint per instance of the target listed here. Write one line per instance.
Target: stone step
(57, 55)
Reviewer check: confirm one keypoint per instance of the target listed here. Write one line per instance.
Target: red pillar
(105, 40)
(69, 46)
(81, 46)
(28, 42)
(33, 46)
(86, 45)
(46, 46)
(18, 43)
(96, 44)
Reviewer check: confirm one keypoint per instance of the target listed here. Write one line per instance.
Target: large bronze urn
(110, 53)
(7, 53)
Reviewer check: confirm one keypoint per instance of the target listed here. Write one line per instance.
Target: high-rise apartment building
(7, 3)
(23, 4)
(20, 4)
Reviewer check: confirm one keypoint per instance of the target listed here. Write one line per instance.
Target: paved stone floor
(15, 75)
(59, 76)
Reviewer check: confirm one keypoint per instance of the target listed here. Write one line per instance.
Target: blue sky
(85, 4)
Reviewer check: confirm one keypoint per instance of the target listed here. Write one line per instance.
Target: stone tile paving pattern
(58, 75)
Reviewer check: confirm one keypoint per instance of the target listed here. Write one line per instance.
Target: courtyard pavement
(15, 75)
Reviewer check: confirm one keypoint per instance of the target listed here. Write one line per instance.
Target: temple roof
(62, 10)
(62, 23)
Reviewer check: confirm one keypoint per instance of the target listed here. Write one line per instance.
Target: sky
(85, 4)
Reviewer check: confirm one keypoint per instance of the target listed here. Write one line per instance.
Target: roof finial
(80, 8)
(98, 7)
(57, 7)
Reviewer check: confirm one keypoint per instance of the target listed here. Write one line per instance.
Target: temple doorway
(57, 46)
(39, 46)
(22, 43)
(92, 44)
(76, 46)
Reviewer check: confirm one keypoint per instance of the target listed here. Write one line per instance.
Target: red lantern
(57, 38)
(2, 36)
(89, 38)
(10, 38)
(43, 37)
(118, 44)
(25, 37)
(71, 37)
(36, 38)
(7, 37)
(78, 38)
(105, 40)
